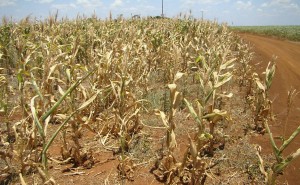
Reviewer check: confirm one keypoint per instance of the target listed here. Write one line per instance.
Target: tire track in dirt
(287, 75)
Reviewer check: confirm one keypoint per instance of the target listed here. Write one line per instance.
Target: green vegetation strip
(284, 32)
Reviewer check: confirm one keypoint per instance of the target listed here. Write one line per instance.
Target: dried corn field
(167, 101)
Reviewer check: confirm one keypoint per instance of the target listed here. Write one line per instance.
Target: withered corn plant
(127, 122)
(167, 166)
(6, 149)
(281, 161)
(92, 75)
(261, 104)
(212, 77)
(208, 115)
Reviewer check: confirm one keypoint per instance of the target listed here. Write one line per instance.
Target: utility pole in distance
(162, 8)
(202, 14)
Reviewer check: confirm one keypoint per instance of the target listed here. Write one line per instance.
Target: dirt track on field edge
(287, 76)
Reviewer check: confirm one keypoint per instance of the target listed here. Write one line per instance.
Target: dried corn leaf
(177, 99)
(164, 119)
(172, 88)
(173, 143)
(194, 114)
(224, 78)
(260, 85)
(22, 179)
(228, 64)
(215, 116)
(52, 68)
(60, 90)
(89, 101)
(193, 149)
(178, 76)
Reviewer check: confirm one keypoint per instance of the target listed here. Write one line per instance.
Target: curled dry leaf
(178, 76)
(216, 115)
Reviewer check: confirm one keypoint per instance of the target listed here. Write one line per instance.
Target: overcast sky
(236, 12)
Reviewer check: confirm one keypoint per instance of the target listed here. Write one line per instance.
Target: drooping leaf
(194, 114)
(37, 89)
(164, 119)
(225, 79)
(60, 90)
(52, 68)
(89, 101)
(215, 116)
(177, 99)
(228, 64)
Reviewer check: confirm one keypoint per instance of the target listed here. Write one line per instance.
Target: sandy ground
(287, 76)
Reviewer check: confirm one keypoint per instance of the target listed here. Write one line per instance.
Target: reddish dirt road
(287, 75)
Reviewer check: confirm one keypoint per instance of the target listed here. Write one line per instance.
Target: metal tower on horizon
(162, 8)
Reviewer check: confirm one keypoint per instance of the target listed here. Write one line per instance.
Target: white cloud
(64, 6)
(264, 5)
(79, 6)
(45, 1)
(117, 3)
(89, 3)
(41, 1)
(190, 2)
(241, 5)
(288, 5)
(280, 1)
(212, 1)
(7, 2)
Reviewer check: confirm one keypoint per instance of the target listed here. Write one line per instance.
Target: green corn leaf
(58, 130)
(288, 141)
(36, 119)
(37, 89)
(209, 95)
(274, 146)
(72, 88)
(194, 114)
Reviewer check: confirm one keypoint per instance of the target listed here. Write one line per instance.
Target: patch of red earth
(103, 170)
(287, 75)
